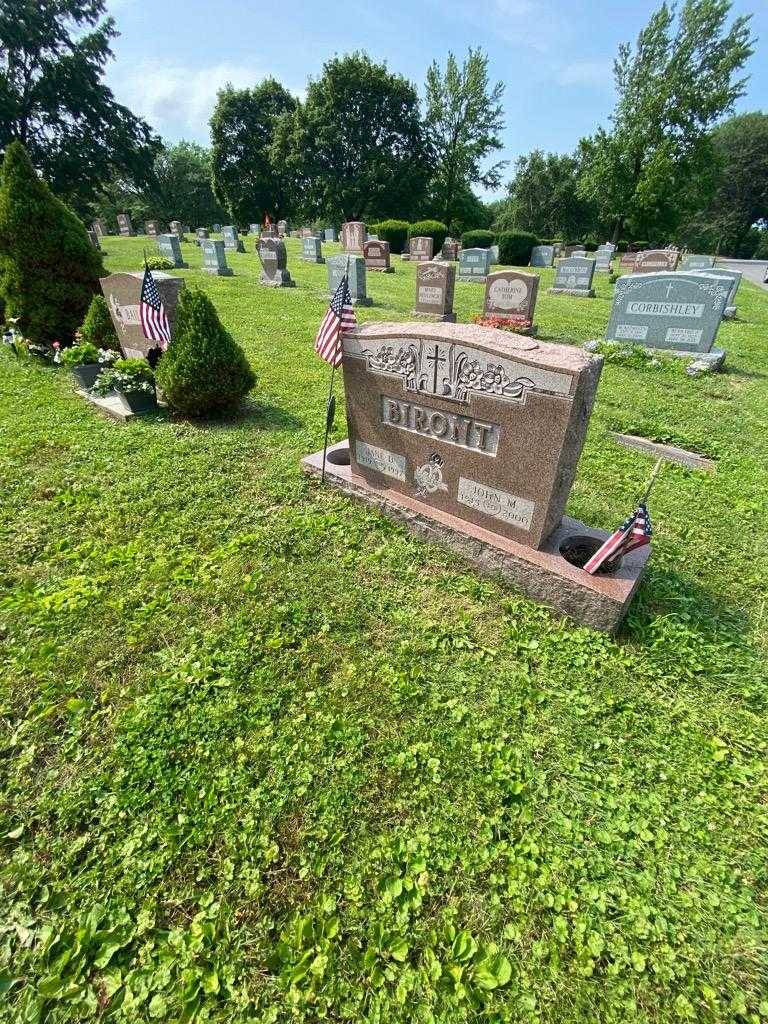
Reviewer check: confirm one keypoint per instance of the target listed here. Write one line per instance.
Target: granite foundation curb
(578, 293)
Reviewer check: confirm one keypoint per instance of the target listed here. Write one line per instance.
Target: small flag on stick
(329, 343)
(154, 322)
(634, 532)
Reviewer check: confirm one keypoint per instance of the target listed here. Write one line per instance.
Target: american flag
(633, 533)
(329, 343)
(154, 322)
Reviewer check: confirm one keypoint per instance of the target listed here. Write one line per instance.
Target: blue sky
(554, 56)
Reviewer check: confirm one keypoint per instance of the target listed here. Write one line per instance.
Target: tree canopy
(54, 101)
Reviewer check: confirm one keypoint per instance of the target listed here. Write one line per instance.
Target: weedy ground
(267, 757)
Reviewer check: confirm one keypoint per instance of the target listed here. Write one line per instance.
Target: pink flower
(56, 344)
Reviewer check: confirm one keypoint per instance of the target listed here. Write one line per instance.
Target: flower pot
(86, 375)
(139, 401)
(579, 549)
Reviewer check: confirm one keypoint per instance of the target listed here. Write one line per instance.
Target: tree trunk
(618, 228)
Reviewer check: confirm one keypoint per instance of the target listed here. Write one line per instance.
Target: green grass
(267, 757)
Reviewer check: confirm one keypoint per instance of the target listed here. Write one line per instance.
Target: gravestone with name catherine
(420, 248)
(232, 241)
(214, 257)
(312, 250)
(337, 266)
(434, 291)
(450, 250)
(100, 227)
(574, 277)
(170, 249)
(152, 228)
(511, 295)
(377, 256)
(733, 279)
(474, 265)
(353, 235)
(672, 311)
(123, 295)
(691, 261)
(542, 255)
(274, 264)
(124, 223)
(331, 235)
(654, 261)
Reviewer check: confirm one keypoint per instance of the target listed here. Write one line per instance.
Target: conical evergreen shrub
(49, 270)
(204, 369)
(98, 328)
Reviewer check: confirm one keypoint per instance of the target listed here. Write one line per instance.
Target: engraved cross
(436, 359)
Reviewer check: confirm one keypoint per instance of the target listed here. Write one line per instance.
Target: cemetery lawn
(266, 757)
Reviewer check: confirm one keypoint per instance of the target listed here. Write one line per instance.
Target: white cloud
(596, 71)
(178, 100)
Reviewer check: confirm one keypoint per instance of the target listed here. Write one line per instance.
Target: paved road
(753, 270)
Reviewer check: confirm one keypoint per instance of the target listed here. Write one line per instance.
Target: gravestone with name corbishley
(542, 255)
(282, 228)
(692, 261)
(337, 267)
(331, 235)
(123, 295)
(511, 295)
(450, 250)
(474, 265)
(152, 228)
(100, 227)
(733, 279)
(672, 311)
(124, 223)
(312, 250)
(470, 437)
(353, 235)
(420, 248)
(435, 284)
(274, 264)
(170, 249)
(654, 261)
(214, 257)
(177, 229)
(377, 256)
(574, 277)
(232, 240)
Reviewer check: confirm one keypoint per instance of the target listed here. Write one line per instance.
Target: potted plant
(133, 380)
(83, 361)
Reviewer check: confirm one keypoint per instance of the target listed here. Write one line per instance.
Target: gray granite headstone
(603, 259)
(214, 257)
(201, 234)
(100, 227)
(674, 311)
(312, 250)
(377, 256)
(331, 235)
(274, 264)
(253, 229)
(474, 264)
(93, 238)
(511, 294)
(170, 249)
(232, 242)
(337, 266)
(732, 276)
(574, 277)
(124, 223)
(494, 251)
(216, 228)
(694, 262)
(177, 229)
(542, 255)
(282, 227)
(434, 291)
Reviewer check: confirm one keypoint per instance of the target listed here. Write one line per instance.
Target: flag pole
(330, 405)
(652, 481)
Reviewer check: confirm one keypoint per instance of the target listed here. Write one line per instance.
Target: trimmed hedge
(97, 327)
(393, 231)
(515, 248)
(622, 246)
(49, 271)
(204, 369)
(434, 229)
(477, 239)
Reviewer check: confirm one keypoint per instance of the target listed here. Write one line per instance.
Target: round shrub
(591, 244)
(97, 327)
(477, 239)
(204, 369)
(158, 262)
(622, 246)
(49, 270)
(433, 229)
(393, 231)
(515, 248)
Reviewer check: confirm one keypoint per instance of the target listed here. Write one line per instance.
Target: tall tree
(464, 117)
(53, 99)
(543, 197)
(677, 81)
(356, 147)
(246, 180)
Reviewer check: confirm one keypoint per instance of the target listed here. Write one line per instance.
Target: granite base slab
(356, 301)
(282, 279)
(599, 602)
(313, 259)
(438, 318)
(112, 405)
(579, 293)
(226, 272)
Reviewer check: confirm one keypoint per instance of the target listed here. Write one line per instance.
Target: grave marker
(93, 238)
(377, 256)
(654, 261)
(603, 259)
(170, 249)
(282, 228)
(177, 229)
(694, 262)
(312, 250)
(100, 227)
(232, 240)
(733, 278)
(542, 255)
(214, 257)
(474, 265)
(331, 235)
(434, 291)
(420, 248)
(123, 294)
(274, 264)
(152, 228)
(511, 294)
(337, 266)
(574, 277)
(353, 237)
(450, 250)
(124, 223)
